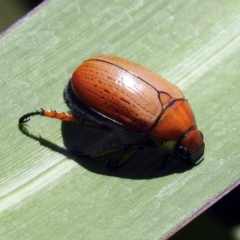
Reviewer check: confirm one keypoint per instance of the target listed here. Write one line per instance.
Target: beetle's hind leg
(63, 116)
(51, 114)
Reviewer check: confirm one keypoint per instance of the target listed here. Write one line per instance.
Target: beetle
(112, 93)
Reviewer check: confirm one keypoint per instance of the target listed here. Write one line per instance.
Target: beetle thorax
(175, 120)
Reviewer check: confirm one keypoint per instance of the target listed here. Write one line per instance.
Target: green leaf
(46, 193)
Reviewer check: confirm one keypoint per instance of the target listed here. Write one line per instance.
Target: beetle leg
(91, 124)
(51, 114)
(66, 117)
(99, 154)
(130, 151)
(102, 153)
(164, 161)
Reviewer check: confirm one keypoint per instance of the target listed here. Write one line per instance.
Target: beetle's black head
(190, 147)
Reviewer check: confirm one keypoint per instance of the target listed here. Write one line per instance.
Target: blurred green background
(12, 10)
(221, 221)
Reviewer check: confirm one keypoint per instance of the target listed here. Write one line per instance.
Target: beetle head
(176, 130)
(190, 147)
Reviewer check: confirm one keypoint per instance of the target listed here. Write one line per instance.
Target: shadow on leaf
(146, 164)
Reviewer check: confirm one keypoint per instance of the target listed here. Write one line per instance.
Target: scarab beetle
(113, 93)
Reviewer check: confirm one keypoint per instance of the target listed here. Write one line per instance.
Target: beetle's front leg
(129, 150)
(109, 151)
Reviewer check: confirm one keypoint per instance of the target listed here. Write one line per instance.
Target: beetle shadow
(146, 164)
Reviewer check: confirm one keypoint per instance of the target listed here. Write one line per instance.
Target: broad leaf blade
(44, 192)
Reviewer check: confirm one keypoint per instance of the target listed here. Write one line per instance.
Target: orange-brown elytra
(113, 93)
